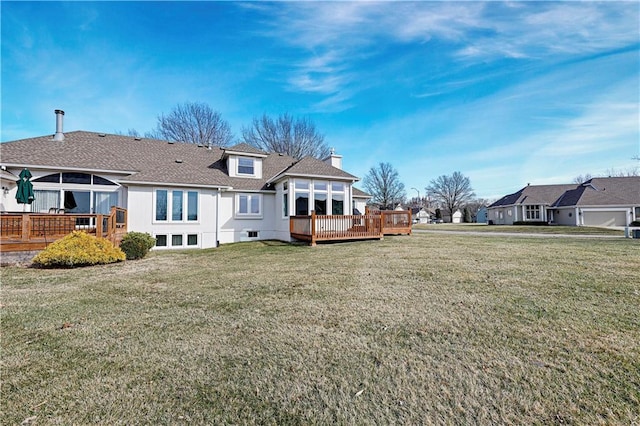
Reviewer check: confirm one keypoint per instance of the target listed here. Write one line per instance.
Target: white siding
(235, 229)
(141, 217)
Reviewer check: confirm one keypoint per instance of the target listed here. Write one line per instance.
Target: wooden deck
(375, 225)
(34, 231)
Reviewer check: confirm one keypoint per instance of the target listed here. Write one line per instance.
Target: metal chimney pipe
(59, 136)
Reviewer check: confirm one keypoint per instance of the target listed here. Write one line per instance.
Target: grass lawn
(523, 229)
(427, 329)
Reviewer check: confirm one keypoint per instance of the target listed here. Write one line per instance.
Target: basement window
(252, 234)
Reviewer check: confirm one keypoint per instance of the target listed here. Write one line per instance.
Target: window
(176, 205)
(97, 180)
(45, 200)
(320, 186)
(54, 178)
(320, 203)
(285, 204)
(337, 203)
(249, 204)
(161, 204)
(161, 240)
(337, 187)
(252, 234)
(77, 178)
(245, 166)
(81, 178)
(532, 212)
(302, 203)
(192, 239)
(192, 205)
(302, 197)
(302, 185)
(176, 240)
(103, 201)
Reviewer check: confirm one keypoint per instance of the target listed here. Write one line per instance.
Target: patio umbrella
(24, 195)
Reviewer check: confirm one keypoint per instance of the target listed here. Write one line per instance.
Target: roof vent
(179, 161)
(59, 136)
(102, 135)
(137, 139)
(170, 142)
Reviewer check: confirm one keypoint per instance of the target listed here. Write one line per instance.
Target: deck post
(26, 222)
(313, 227)
(99, 226)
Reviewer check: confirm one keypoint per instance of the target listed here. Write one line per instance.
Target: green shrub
(531, 223)
(136, 245)
(78, 249)
(635, 223)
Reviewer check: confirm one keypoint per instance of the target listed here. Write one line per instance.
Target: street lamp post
(419, 200)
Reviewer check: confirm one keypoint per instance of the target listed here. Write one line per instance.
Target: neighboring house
(481, 215)
(185, 195)
(420, 215)
(456, 217)
(359, 201)
(613, 201)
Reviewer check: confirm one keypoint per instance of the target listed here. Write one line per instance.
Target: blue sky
(508, 93)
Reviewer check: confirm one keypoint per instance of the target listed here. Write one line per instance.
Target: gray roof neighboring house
(155, 162)
(606, 191)
(534, 194)
(609, 191)
(358, 193)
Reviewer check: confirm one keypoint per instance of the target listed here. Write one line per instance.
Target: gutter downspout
(217, 217)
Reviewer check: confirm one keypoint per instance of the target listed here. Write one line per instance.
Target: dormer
(244, 161)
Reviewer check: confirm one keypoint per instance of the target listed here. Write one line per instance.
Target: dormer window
(246, 166)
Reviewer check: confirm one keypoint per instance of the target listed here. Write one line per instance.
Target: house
(420, 215)
(185, 195)
(456, 217)
(481, 215)
(609, 201)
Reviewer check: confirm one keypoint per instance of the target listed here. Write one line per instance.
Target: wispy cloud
(336, 37)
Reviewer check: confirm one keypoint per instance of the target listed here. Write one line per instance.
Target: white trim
(75, 169)
(172, 185)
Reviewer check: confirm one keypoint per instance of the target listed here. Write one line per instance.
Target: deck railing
(34, 231)
(334, 227)
(394, 221)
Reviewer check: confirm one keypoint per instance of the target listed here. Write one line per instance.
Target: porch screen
(103, 201)
(45, 200)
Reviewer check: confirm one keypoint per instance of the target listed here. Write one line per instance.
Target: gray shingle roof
(245, 148)
(313, 167)
(611, 191)
(152, 161)
(608, 191)
(359, 193)
(534, 194)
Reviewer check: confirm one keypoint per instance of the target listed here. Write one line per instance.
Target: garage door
(613, 218)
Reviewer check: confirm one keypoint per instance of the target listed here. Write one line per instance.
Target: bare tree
(384, 185)
(130, 132)
(632, 171)
(193, 122)
(475, 204)
(451, 191)
(582, 178)
(296, 137)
